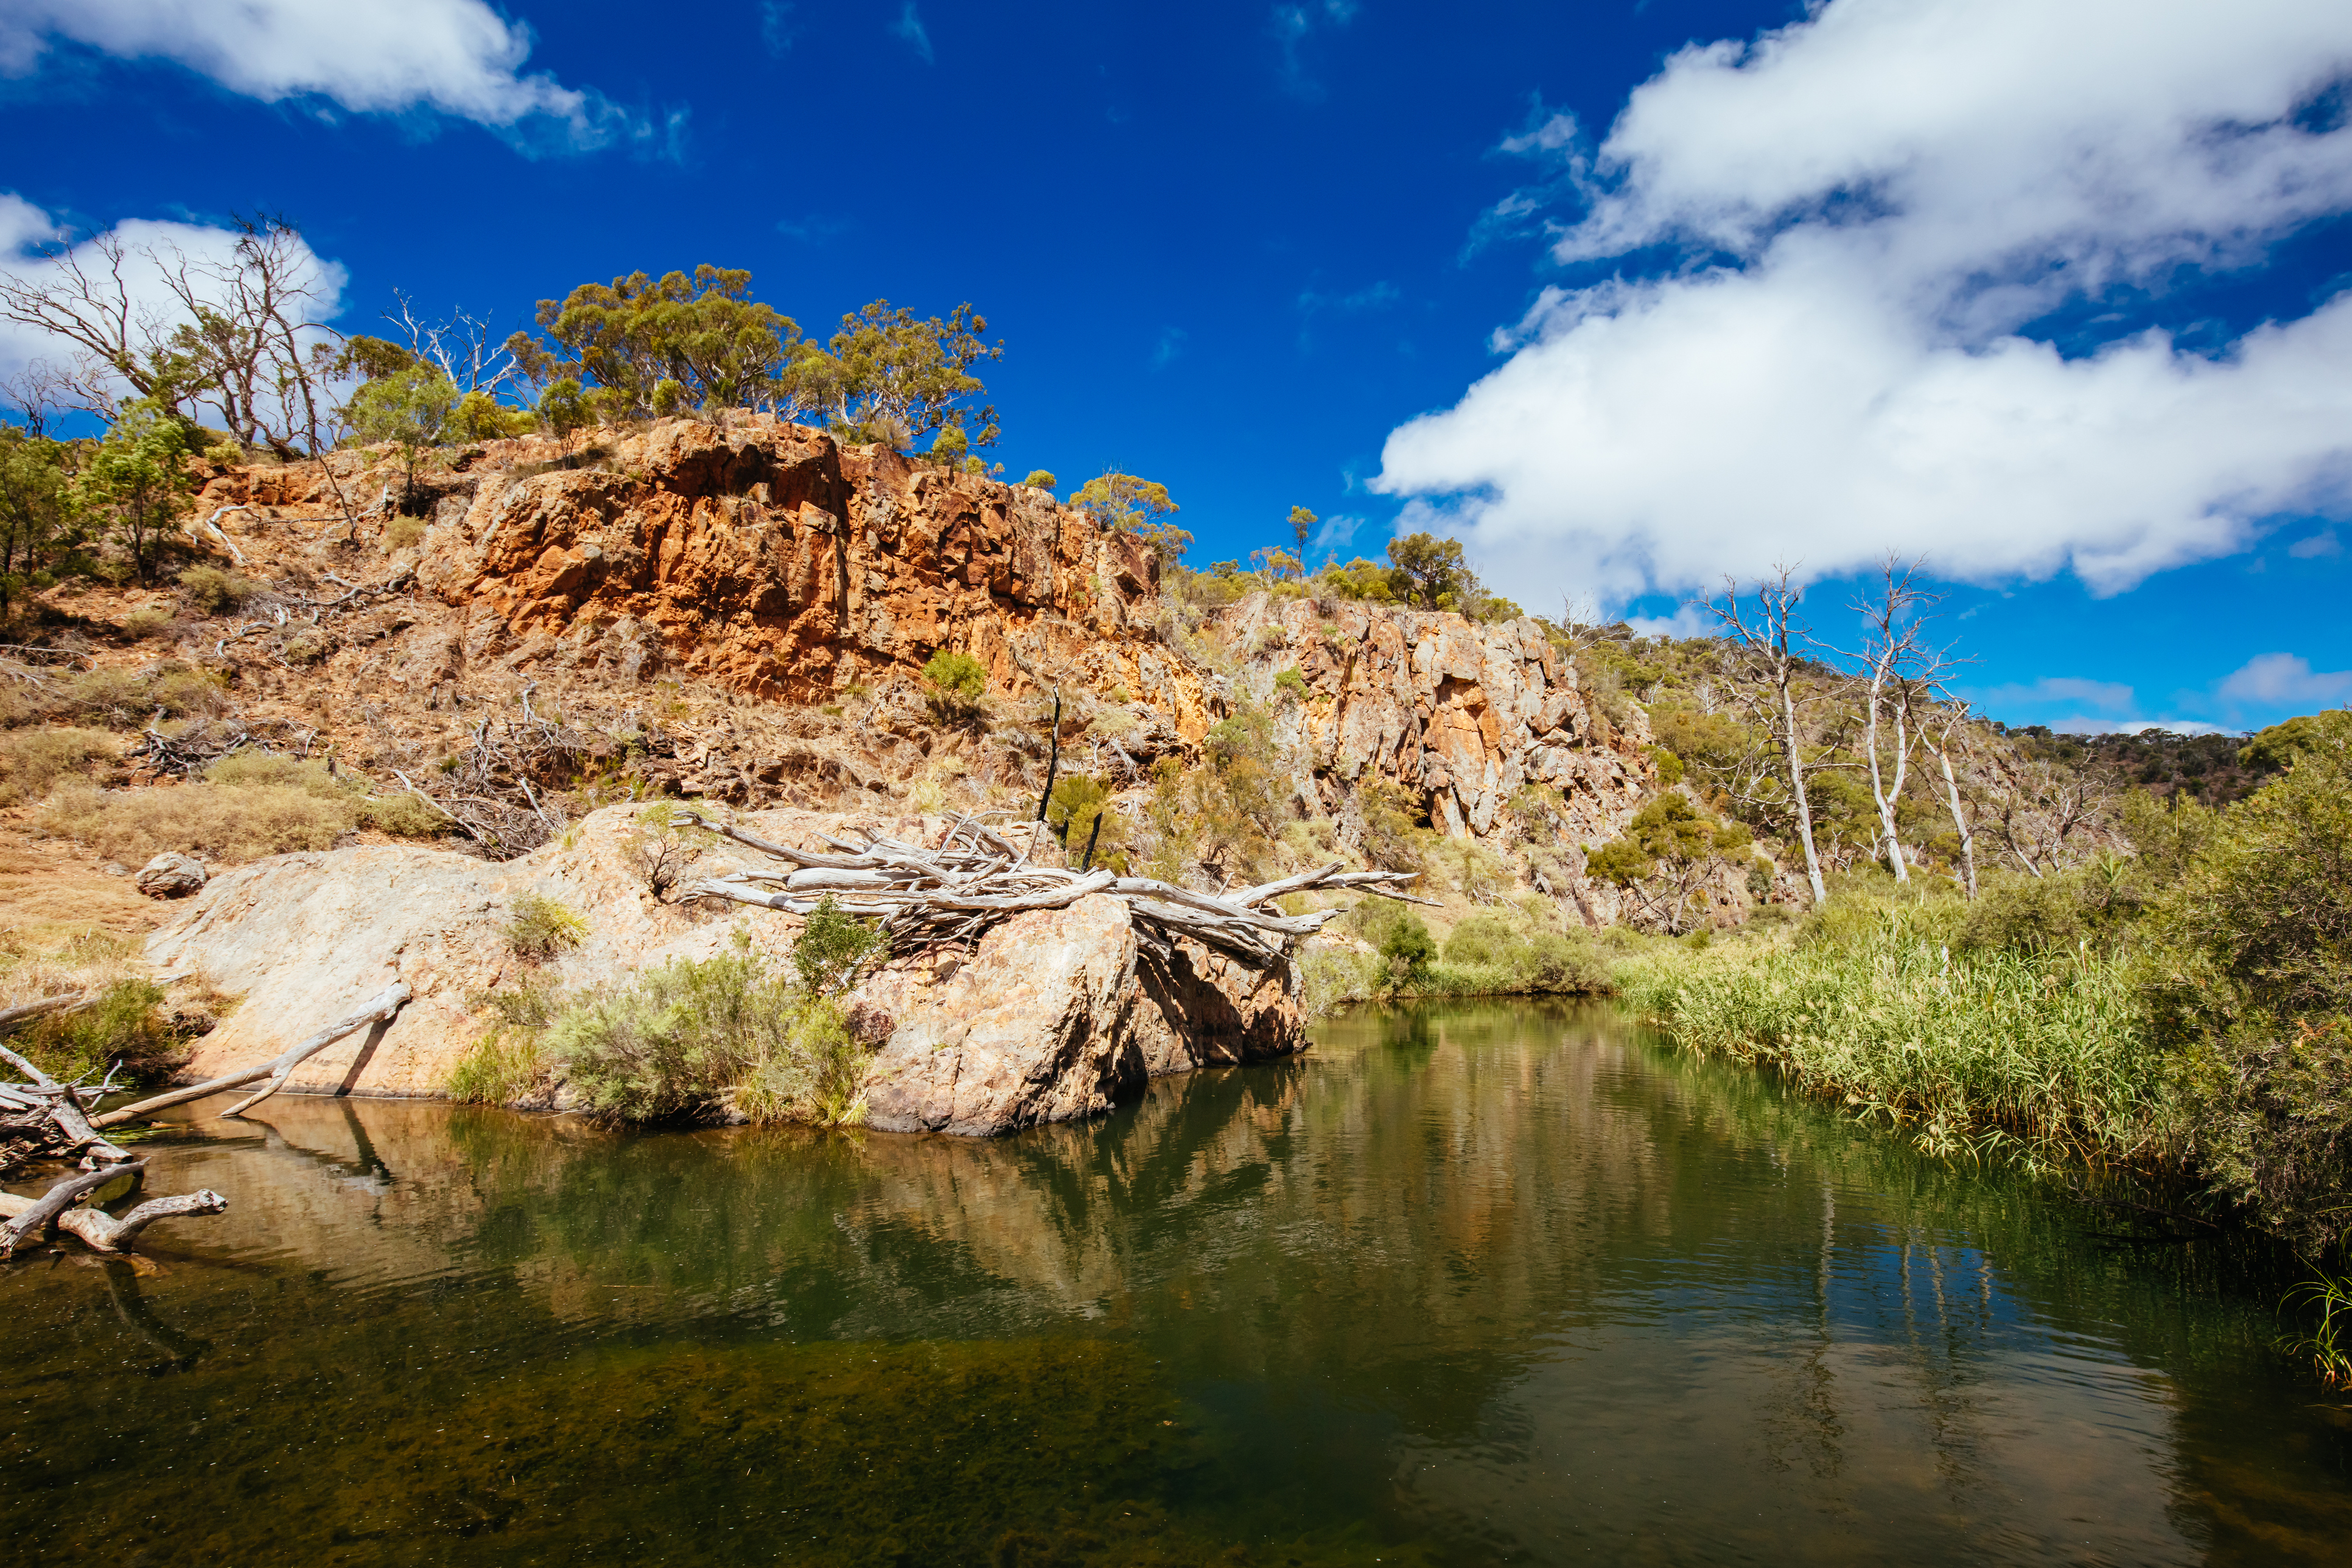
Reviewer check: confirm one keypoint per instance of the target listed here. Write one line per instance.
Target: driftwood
(29, 1218)
(381, 1007)
(926, 897)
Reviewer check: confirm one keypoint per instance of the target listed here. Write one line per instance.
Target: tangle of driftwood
(926, 897)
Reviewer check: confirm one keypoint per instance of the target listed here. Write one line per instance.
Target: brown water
(1468, 1285)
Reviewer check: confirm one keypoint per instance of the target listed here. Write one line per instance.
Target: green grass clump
(123, 1031)
(538, 928)
(1975, 1051)
(249, 804)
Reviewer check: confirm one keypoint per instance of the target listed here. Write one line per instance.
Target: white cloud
(910, 29)
(460, 58)
(2109, 696)
(2284, 680)
(1869, 206)
(25, 230)
(2323, 543)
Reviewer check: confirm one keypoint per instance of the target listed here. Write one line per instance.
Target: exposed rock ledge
(1054, 1015)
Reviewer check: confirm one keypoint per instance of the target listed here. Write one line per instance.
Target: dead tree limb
(102, 1232)
(384, 1004)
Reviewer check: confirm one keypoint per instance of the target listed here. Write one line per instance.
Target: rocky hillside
(743, 612)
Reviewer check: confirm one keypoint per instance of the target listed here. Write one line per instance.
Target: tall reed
(2047, 1057)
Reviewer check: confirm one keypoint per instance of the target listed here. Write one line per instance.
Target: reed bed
(2045, 1057)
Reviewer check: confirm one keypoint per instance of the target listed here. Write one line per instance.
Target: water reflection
(1467, 1284)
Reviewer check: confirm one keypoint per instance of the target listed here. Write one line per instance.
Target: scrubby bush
(956, 682)
(32, 761)
(123, 1031)
(249, 804)
(727, 1035)
(1041, 478)
(663, 844)
(1289, 685)
(402, 532)
(141, 625)
(538, 928)
(121, 698)
(1077, 804)
(1517, 955)
(213, 591)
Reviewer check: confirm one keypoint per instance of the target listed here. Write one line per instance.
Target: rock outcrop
(1052, 1017)
(1464, 714)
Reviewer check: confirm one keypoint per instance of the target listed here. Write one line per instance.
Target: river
(1468, 1284)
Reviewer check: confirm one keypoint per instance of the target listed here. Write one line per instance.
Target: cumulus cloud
(1863, 212)
(2284, 680)
(458, 58)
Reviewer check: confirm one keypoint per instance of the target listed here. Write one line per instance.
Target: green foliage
(2327, 1302)
(538, 928)
(213, 591)
(40, 524)
(1041, 478)
(1429, 572)
(1290, 684)
(1522, 955)
(1135, 506)
(1367, 581)
(1621, 861)
(2277, 747)
(124, 1030)
(410, 408)
(1302, 528)
(956, 682)
(1712, 744)
(643, 345)
(1668, 832)
(726, 1036)
(1396, 834)
(478, 417)
(896, 378)
(834, 950)
(370, 359)
(1973, 1052)
(1669, 766)
(1077, 804)
(1406, 945)
(134, 479)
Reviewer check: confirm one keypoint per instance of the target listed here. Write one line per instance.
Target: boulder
(171, 875)
(1051, 1017)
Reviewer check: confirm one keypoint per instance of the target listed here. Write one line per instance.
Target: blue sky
(1837, 286)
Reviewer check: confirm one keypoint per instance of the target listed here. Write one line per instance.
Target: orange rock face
(766, 557)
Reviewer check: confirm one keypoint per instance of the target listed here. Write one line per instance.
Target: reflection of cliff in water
(1499, 1279)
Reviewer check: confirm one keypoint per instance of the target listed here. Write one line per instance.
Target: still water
(1467, 1285)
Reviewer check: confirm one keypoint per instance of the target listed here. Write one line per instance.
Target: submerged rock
(1054, 1016)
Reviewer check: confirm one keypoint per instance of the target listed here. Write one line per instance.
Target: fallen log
(382, 1006)
(102, 1232)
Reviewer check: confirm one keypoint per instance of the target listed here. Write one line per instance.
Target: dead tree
(1893, 652)
(1940, 724)
(1768, 636)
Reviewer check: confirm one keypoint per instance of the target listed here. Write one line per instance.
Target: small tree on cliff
(894, 377)
(1138, 505)
(644, 345)
(1430, 573)
(410, 407)
(136, 477)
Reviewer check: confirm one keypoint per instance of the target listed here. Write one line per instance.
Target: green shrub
(126, 698)
(1041, 478)
(123, 1031)
(32, 761)
(1076, 805)
(402, 816)
(141, 625)
(1521, 957)
(834, 950)
(1331, 977)
(2023, 913)
(956, 682)
(402, 532)
(213, 591)
(1290, 684)
(537, 928)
